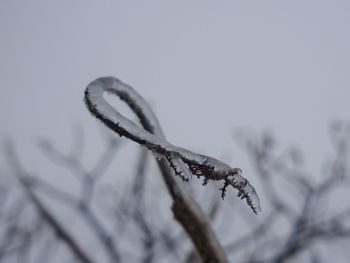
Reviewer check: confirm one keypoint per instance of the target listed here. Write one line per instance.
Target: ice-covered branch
(184, 162)
(185, 209)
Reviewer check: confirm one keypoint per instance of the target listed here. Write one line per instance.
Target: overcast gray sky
(207, 67)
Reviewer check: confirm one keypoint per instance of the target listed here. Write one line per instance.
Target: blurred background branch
(127, 220)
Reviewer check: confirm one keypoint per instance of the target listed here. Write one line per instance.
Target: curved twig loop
(152, 138)
(173, 160)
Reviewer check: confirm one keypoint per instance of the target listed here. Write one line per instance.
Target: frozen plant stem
(182, 162)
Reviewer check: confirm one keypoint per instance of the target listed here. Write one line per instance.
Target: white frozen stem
(200, 165)
(183, 162)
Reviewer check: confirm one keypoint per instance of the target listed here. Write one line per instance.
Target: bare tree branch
(47, 216)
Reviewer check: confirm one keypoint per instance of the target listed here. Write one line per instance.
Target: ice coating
(248, 192)
(184, 162)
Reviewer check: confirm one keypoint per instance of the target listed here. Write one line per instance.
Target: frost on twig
(185, 163)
